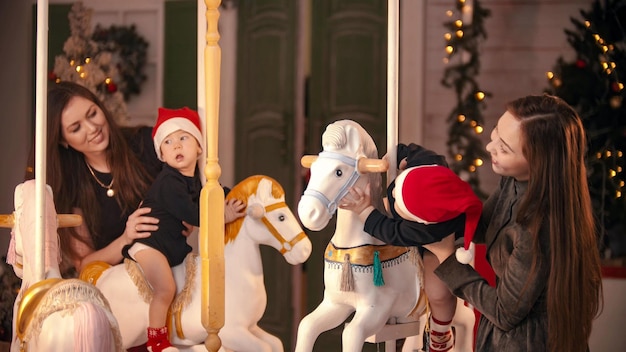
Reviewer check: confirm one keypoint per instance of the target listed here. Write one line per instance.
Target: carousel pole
(211, 237)
(40, 135)
(393, 11)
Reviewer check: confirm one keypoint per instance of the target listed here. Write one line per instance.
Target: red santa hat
(434, 193)
(172, 120)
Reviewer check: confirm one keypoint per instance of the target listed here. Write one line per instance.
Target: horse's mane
(335, 138)
(25, 227)
(242, 191)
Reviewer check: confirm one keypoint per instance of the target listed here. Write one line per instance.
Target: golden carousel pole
(211, 236)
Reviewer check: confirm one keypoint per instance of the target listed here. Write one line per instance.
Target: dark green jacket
(514, 314)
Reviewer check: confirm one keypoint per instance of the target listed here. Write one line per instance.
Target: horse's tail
(95, 329)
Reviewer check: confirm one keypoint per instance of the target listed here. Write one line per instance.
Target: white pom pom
(465, 256)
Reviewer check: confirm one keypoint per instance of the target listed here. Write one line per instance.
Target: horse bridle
(286, 245)
(331, 205)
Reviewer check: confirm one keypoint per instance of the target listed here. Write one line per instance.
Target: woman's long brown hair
(558, 199)
(69, 178)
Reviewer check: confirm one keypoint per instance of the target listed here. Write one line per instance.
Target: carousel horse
(379, 283)
(53, 314)
(268, 221)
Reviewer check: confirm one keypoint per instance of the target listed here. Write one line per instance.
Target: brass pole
(211, 236)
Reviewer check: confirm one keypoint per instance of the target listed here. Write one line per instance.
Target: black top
(401, 232)
(113, 221)
(173, 198)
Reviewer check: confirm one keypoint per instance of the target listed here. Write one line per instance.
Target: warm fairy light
(87, 60)
(550, 74)
(83, 75)
(458, 157)
(619, 169)
(618, 194)
(472, 168)
(587, 24)
(597, 37)
(58, 80)
(612, 173)
(459, 33)
(480, 96)
(446, 60)
(462, 2)
(619, 152)
(107, 80)
(461, 118)
(479, 129)
(605, 65)
(621, 183)
(79, 68)
(599, 155)
(612, 64)
(449, 13)
(72, 62)
(458, 23)
(608, 153)
(620, 85)
(447, 36)
(449, 49)
(605, 48)
(473, 123)
(478, 162)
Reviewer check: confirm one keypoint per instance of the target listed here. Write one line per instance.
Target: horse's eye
(338, 173)
(281, 217)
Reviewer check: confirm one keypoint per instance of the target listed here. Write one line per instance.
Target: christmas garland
(131, 50)
(466, 119)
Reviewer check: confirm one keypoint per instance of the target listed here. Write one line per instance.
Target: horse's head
(22, 248)
(268, 220)
(349, 158)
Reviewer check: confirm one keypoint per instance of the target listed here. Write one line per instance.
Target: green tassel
(378, 271)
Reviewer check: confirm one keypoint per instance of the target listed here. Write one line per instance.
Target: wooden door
(264, 130)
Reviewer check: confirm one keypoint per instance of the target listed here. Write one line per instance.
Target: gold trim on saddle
(363, 255)
(29, 303)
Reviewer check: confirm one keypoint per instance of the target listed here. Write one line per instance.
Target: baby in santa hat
(428, 202)
(173, 199)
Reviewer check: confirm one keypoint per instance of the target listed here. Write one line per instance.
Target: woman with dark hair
(539, 230)
(99, 170)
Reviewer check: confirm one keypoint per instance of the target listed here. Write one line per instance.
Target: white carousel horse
(378, 282)
(53, 314)
(268, 221)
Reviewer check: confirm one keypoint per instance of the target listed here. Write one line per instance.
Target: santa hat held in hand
(434, 193)
(172, 120)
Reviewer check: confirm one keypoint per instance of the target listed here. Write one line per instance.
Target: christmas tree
(86, 63)
(593, 84)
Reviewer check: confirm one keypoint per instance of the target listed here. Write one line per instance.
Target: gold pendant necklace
(110, 191)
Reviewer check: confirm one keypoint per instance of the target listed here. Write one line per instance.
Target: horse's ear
(308, 160)
(255, 210)
(366, 165)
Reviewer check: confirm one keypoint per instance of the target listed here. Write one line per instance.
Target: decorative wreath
(130, 49)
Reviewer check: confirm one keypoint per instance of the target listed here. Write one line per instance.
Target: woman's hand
(140, 226)
(442, 249)
(233, 210)
(188, 229)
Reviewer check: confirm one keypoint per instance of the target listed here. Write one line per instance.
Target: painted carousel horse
(378, 282)
(53, 314)
(268, 221)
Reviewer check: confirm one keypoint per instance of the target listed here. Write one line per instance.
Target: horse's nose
(312, 214)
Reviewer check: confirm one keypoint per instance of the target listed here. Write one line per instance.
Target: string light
(462, 35)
